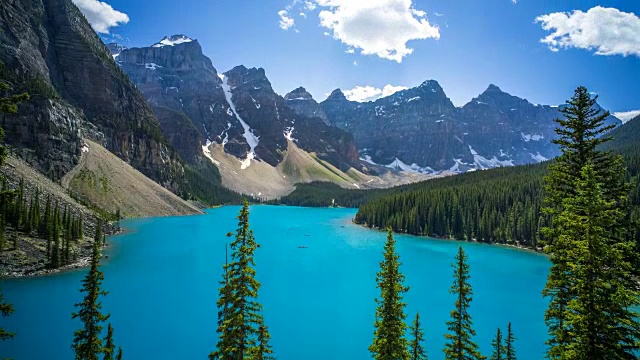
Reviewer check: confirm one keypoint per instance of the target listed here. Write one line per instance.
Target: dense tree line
(498, 206)
(493, 206)
(8, 104)
(57, 225)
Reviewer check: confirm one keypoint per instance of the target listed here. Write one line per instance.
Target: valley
(389, 179)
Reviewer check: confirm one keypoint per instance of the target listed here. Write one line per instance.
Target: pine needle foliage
(389, 341)
(459, 340)
(416, 349)
(242, 333)
(87, 343)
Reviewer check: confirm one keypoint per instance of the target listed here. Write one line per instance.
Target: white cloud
(309, 5)
(626, 115)
(101, 15)
(376, 27)
(286, 22)
(390, 89)
(608, 31)
(514, 1)
(369, 93)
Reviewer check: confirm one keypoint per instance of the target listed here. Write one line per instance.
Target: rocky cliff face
(237, 109)
(48, 48)
(303, 103)
(420, 130)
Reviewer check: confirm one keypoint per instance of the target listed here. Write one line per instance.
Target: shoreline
(513, 247)
(81, 263)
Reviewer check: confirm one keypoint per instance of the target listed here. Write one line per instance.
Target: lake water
(163, 275)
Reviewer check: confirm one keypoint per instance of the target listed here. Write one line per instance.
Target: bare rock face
(48, 48)
(303, 103)
(187, 93)
(419, 129)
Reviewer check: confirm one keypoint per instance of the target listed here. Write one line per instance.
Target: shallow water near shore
(317, 271)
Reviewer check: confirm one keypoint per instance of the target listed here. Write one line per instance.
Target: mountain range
(168, 112)
(420, 130)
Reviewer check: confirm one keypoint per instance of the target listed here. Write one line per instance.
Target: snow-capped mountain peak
(173, 40)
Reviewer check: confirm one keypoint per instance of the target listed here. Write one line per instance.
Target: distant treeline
(498, 206)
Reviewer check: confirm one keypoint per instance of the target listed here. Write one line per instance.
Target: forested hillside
(501, 206)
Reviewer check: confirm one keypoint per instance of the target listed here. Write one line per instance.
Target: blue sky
(466, 44)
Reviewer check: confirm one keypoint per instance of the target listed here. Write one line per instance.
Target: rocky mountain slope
(103, 179)
(238, 109)
(30, 256)
(48, 49)
(420, 130)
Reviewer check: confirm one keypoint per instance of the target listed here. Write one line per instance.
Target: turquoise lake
(162, 277)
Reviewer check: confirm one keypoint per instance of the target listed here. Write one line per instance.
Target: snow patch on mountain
(368, 159)
(152, 66)
(207, 153)
(288, 132)
(397, 164)
(537, 157)
(483, 163)
(257, 104)
(252, 140)
(531, 137)
(172, 41)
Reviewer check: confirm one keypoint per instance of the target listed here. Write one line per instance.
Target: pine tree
(7, 105)
(119, 356)
(87, 343)
(6, 309)
(601, 319)
(416, 350)
(68, 236)
(460, 345)
(263, 351)
(498, 347)
(581, 132)
(109, 346)
(55, 253)
(389, 341)
(510, 351)
(36, 210)
(80, 230)
(45, 223)
(239, 312)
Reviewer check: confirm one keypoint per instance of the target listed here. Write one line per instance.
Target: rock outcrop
(303, 103)
(238, 109)
(50, 50)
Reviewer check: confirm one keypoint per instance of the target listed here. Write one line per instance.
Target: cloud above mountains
(369, 93)
(607, 31)
(627, 115)
(373, 27)
(101, 15)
